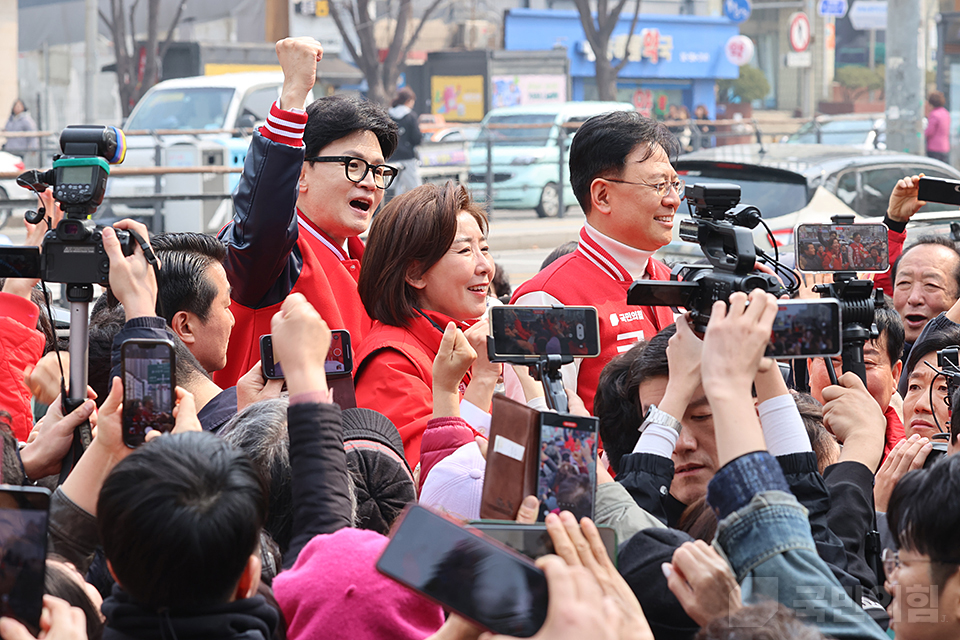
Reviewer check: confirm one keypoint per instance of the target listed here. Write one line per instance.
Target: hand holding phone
(301, 341)
(483, 581)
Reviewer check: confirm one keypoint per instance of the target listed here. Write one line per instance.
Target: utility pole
(905, 75)
(90, 63)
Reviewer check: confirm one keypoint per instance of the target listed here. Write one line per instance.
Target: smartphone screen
(806, 329)
(477, 578)
(19, 262)
(662, 294)
(271, 368)
(533, 541)
(567, 476)
(842, 247)
(148, 388)
(537, 331)
(340, 356)
(23, 553)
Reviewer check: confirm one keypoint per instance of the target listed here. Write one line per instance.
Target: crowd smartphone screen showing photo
(149, 388)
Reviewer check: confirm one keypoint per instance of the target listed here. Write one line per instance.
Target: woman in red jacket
(426, 264)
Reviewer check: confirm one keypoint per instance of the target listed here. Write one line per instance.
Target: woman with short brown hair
(425, 265)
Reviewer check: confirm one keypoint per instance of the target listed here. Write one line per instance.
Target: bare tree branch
(173, 26)
(338, 20)
(105, 20)
(416, 33)
(626, 53)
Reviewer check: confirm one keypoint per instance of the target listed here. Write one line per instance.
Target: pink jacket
(938, 130)
(442, 437)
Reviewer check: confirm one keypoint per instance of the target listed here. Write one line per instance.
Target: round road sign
(799, 31)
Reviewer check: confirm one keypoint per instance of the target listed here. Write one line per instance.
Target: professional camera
(73, 252)
(722, 229)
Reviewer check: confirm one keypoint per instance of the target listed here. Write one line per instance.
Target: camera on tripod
(73, 252)
(721, 226)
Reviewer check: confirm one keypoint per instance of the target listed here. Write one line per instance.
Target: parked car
(526, 159)
(793, 184)
(867, 130)
(9, 190)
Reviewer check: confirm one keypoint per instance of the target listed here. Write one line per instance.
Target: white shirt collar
(633, 260)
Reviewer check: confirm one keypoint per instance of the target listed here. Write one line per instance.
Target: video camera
(721, 226)
(73, 252)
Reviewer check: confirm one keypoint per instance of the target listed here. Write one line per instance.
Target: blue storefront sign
(672, 57)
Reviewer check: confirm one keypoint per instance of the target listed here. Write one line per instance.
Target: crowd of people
(743, 508)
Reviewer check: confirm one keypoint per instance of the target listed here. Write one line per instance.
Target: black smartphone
(149, 388)
(23, 553)
(532, 540)
(567, 475)
(494, 587)
(271, 368)
(19, 262)
(806, 329)
(340, 355)
(531, 332)
(842, 247)
(939, 190)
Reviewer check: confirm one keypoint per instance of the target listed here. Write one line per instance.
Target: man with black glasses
(621, 173)
(311, 182)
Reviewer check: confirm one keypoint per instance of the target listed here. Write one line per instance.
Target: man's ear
(182, 325)
(250, 578)
(302, 183)
(414, 277)
(896, 370)
(600, 196)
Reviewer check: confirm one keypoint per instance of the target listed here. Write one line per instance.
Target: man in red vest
(311, 182)
(622, 177)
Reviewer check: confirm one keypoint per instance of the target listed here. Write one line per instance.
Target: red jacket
(442, 437)
(591, 276)
(395, 375)
(895, 432)
(20, 345)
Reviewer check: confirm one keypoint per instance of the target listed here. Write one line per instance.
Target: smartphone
(149, 388)
(531, 332)
(842, 247)
(19, 262)
(340, 355)
(939, 190)
(23, 553)
(533, 541)
(271, 369)
(567, 475)
(494, 587)
(806, 329)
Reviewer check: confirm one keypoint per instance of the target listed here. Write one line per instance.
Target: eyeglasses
(356, 169)
(891, 561)
(662, 188)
